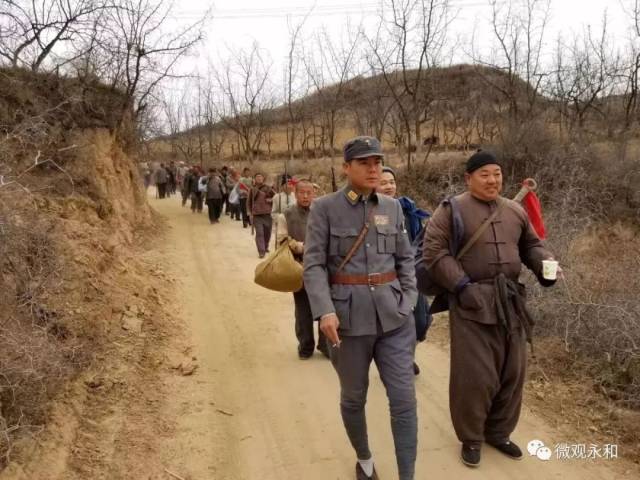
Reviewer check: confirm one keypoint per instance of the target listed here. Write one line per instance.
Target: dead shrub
(38, 353)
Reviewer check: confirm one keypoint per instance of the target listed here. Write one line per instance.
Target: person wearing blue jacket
(414, 218)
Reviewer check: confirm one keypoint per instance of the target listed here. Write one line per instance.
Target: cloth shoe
(509, 448)
(416, 369)
(470, 456)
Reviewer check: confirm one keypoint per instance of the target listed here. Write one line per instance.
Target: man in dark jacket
(215, 195)
(488, 318)
(259, 204)
(194, 189)
(162, 180)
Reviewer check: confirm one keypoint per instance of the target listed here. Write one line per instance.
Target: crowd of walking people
(359, 247)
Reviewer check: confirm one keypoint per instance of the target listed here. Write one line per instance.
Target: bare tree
(246, 97)
(32, 31)
(329, 66)
(585, 76)
(632, 67)
(519, 30)
(136, 50)
(294, 89)
(408, 44)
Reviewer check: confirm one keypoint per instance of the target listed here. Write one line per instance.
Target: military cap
(362, 147)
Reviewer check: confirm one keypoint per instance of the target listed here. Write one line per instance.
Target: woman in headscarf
(414, 218)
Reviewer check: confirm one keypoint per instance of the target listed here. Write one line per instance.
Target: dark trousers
(235, 210)
(244, 212)
(225, 203)
(162, 190)
(214, 206)
(393, 353)
(185, 196)
(262, 224)
(196, 202)
(423, 318)
(488, 369)
(304, 327)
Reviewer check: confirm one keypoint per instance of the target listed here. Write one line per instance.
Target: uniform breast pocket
(387, 238)
(341, 240)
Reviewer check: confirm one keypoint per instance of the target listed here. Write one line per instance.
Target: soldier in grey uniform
(365, 307)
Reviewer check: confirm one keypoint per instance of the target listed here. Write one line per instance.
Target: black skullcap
(480, 159)
(389, 170)
(362, 147)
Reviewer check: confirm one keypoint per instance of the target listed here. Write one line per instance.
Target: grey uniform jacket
(333, 225)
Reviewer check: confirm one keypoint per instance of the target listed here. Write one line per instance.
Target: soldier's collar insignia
(353, 196)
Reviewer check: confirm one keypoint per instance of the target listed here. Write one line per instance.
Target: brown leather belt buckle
(374, 279)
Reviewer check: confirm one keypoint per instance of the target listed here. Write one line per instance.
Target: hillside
(72, 214)
(459, 110)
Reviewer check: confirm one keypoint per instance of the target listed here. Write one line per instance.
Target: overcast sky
(237, 24)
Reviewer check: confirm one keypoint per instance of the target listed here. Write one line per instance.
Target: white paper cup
(550, 269)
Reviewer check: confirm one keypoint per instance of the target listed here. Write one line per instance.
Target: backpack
(425, 282)
(202, 183)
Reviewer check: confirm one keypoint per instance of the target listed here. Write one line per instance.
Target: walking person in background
(259, 204)
(293, 223)
(172, 170)
(229, 183)
(145, 171)
(234, 196)
(215, 195)
(181, 172)
(413, 221)
(195, 191)
(283, 200)
(244, 187)
(185, 189)
(162, 179)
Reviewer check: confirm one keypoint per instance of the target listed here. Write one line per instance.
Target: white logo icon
(544, 454)
(533, 446)
(536, 448)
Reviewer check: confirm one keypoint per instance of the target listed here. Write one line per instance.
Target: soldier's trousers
(488, 369)
(262, 224)
(393, 353)
(304, 326)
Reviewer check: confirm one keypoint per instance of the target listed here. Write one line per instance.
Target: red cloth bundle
(531, 204)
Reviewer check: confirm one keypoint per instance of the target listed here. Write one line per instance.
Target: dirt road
(254, 411)
(251, 410)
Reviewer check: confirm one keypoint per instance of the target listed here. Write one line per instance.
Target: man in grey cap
(360, 276)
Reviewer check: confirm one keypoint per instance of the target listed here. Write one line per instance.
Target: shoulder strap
(481, 229)
(358, 242)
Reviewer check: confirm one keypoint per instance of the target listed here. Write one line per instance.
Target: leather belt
(370, 279)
